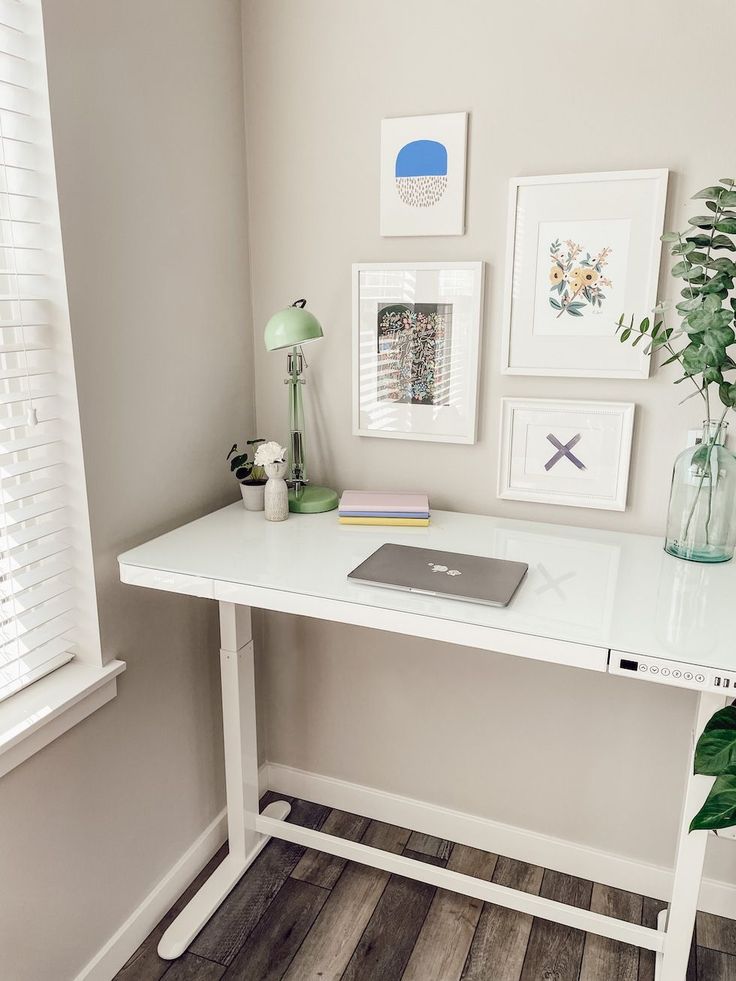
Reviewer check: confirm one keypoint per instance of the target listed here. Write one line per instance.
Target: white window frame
(39, 713)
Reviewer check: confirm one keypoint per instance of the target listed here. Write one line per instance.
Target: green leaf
(672, 358)
(719, 809)
(723, 242)
(715, 343)
(701, 221)
(727, 394)
(716, 748)
(684, 248)
(554, 304)
(727, 199)
(700, 240)
(724, 265)
(687, 305)
(670, 237)
(686, 269)
(708, 192)
(707, 319)
(717, 283)
(626, 335)
(728, 181)
(574, 312)
(711, 304)
(644, 325)
(639, 337)
(727, 225)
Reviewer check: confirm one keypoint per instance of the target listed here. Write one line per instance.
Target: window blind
(47, 602)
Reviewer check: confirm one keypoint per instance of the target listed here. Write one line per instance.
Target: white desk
(598, 601)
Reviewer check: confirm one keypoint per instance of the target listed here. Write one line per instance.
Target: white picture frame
(423, 160)
(574, 453)
(416, 349)
(616, 217)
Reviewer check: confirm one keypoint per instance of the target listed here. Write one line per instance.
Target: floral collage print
(413, 347)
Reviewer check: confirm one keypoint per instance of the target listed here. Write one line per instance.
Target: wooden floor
(302, 915)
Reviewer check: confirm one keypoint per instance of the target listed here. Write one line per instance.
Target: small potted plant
(251, 476)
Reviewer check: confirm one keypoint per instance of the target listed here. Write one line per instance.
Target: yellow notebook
(406, 522)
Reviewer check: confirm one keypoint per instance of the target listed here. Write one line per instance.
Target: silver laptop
(474, 578)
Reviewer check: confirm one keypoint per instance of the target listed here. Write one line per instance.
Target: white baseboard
(529, 846)
(118, 949)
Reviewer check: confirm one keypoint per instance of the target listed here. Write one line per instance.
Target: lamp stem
(297, 458)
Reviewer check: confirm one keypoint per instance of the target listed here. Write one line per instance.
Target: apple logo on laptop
(443, 568)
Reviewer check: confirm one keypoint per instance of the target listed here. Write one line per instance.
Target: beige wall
(147, 112)
(551, 89)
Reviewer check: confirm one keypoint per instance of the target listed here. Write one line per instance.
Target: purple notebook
(383, 514)
(376, 503)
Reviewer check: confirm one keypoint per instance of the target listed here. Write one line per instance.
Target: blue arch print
(422, 158)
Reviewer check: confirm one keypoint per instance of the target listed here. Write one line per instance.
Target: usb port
(726, 682)
(717, 681)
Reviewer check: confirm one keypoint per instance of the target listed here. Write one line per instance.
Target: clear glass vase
(701, 523)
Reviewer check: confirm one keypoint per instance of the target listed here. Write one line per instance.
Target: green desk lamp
(290, 328)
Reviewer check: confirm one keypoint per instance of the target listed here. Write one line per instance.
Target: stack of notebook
(374, 508)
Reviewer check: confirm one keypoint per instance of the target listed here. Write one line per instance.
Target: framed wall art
(423, 174)
(416, 340)
(581, 250)
(564, 452)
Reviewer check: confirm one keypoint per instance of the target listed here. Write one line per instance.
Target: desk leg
(679, 920)
(241, 781)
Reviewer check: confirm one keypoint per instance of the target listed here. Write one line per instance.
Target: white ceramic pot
(276, 497)
(253, 496)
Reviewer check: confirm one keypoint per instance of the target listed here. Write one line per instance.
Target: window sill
(49, 707)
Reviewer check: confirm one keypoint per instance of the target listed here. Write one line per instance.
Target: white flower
(269, 453)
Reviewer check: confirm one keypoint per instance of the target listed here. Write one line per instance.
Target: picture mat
(603, 447)
(458, 284)
(447, 217)
(634, 196)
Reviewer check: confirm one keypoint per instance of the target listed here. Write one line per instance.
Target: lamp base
(313, 500)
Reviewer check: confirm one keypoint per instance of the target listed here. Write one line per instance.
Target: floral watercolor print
(413, 345)
(577, 278)
(580, 277)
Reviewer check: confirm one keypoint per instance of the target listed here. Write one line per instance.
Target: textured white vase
(253, 496)
(276, 495)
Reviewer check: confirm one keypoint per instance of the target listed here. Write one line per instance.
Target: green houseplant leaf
(719, 809)
(716, 748)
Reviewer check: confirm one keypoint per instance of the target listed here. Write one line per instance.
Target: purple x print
(563, 449)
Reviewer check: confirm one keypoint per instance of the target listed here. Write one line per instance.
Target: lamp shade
(291, 327)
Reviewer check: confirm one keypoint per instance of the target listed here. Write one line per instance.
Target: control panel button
(665, 672)
(654, 669)
(700, 678)
(643, 667)
(688, 676)
(677, 674)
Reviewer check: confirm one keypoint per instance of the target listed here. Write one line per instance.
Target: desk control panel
(677, 673)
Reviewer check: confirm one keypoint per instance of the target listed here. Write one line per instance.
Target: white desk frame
(249, 831)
